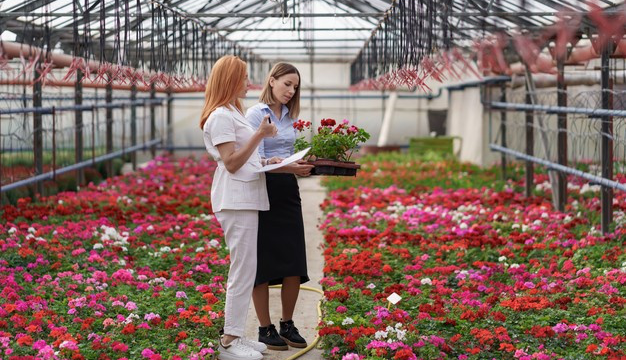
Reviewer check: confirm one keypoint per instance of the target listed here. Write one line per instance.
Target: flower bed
(130, 269)
(483, 272)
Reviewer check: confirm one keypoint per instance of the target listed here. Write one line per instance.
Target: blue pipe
(50, 110)
(83, 164)
(555, 109)
(561, 168)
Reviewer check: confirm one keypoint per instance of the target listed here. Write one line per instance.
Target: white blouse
(244, 189)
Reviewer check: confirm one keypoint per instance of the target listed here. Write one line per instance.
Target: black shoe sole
(277, 347)
(293, 344)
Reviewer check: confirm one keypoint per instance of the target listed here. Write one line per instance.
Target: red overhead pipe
(101, 85)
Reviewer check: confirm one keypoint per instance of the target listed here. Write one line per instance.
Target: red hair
(224, 83)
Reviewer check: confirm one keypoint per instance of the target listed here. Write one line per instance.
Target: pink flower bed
(130, 269)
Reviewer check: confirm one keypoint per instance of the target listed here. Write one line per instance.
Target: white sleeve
(221, 128)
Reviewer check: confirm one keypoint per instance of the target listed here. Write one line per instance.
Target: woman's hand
(300, 168)
(266, 129)
(274, 160)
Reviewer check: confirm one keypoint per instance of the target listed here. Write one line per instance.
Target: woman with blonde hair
(281, 248)
(238, 193)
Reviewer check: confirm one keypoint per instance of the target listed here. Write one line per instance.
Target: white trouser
(240, 231)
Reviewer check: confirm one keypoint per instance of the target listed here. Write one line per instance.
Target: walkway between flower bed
(305, 317)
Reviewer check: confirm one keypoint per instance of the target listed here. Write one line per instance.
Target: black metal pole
(109, 129)
(152, 119)
(561, 135)
(606, 198)
(133, 125)
(78, 131)
(170, 130)
(37, 131)
(503, 130)
(530, 146)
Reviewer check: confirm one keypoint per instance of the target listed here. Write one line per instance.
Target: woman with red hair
(238, 193)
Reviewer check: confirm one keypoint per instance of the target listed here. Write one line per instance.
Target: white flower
(379, 335)
(330, 322)
(129, 319)
(199, 249)
(214, 243)
(165, 249)
(502, 259)
(98, 246)
(514, 266)
(150, 228)
(12, 230)
(372, 286)
(515, 226)
(347, 321)
(401, 334)
(31, 230)
(544, 215)
(463, 226)
(426, 281)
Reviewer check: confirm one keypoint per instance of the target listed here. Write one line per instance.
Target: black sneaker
(269, 336)
(290, 334)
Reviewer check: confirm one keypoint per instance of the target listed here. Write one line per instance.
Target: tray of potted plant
(332, 146)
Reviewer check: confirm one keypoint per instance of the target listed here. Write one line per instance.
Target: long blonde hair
(267, 97)
(224, 83)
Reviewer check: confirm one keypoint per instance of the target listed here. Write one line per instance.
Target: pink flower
(147, 353)
(341, 309)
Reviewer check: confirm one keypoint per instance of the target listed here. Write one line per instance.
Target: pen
(269, 119)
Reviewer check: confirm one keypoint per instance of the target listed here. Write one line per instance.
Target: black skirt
(281, 248)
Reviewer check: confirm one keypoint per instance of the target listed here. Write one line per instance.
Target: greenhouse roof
(306, 30)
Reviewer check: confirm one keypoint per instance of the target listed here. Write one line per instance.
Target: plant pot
(334, 167)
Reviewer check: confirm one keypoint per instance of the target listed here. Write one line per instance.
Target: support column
(503, 130)
(78, 131)
(561, 135)
(109, 128)
(606, 198)
(530, 147)
(383, 136)
(170, 129)
(152, 119)
(133, 125)
(37, 130)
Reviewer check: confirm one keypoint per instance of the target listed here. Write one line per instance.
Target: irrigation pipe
(319, 318)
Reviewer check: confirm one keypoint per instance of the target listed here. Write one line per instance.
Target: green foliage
(332, 141)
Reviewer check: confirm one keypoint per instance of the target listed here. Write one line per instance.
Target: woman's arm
(254, 115)
(235, 159)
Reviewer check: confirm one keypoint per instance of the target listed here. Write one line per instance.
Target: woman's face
(244, 87)
(284, 87)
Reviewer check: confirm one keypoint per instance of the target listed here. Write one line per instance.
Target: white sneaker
(255, 345)
(236, 350)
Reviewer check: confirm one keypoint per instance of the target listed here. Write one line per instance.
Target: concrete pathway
(305, 316)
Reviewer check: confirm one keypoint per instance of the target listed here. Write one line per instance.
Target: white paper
(292, 159)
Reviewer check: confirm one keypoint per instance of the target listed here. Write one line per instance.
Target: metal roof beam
(205, 15)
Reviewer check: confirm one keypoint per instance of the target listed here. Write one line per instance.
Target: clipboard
(290, 160)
